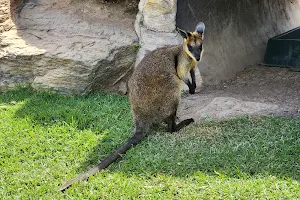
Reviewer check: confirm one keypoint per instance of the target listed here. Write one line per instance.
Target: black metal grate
(284, 50)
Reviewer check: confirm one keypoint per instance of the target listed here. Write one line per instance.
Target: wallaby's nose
(198, 58)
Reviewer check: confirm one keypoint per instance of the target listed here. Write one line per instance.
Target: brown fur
(155, 86)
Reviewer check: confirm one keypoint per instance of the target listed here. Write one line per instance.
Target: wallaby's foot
(192, 87)
(173, 127)
(184, 123)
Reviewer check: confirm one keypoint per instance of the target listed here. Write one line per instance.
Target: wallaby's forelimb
(105, 163)
(192, 85)
(192, 72)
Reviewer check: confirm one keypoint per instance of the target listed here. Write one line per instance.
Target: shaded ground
(257, 90)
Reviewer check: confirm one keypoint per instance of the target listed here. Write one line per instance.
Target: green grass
(47, 139)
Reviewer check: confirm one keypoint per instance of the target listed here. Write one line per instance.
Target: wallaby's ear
(183, 33)
(200, 28)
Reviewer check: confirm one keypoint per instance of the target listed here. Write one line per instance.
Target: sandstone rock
(155, 25)
(159, 15)
(72, 49)
(5, 18)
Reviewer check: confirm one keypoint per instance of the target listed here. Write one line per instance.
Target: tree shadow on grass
(239, 148)
(97, 112)
(108, 117)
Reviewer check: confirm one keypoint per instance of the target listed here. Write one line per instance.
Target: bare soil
(257, 90)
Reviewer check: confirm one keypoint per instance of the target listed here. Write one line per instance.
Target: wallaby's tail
(139, 135)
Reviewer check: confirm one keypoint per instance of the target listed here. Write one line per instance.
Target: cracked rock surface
(69, 48)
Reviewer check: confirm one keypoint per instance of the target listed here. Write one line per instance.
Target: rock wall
(237, 31)
(69, 48)
(83, 47)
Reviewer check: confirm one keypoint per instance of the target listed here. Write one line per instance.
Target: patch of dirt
(257, 90)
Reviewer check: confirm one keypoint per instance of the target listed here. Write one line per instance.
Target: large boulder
(65, 47)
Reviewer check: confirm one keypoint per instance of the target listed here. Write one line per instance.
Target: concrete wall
(237, 31)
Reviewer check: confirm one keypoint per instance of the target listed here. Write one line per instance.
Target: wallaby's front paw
(192, 88)
(192, 91)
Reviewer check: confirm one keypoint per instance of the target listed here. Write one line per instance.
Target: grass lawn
(47, 139)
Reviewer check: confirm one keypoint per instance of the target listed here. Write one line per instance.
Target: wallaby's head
(193, 41)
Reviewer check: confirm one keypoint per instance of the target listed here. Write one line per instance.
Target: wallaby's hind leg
(184, 123)
(173, 127)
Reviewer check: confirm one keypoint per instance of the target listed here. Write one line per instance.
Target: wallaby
(189, 49)
(155, 91)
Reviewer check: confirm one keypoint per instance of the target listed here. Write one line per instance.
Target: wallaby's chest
(184, 67)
